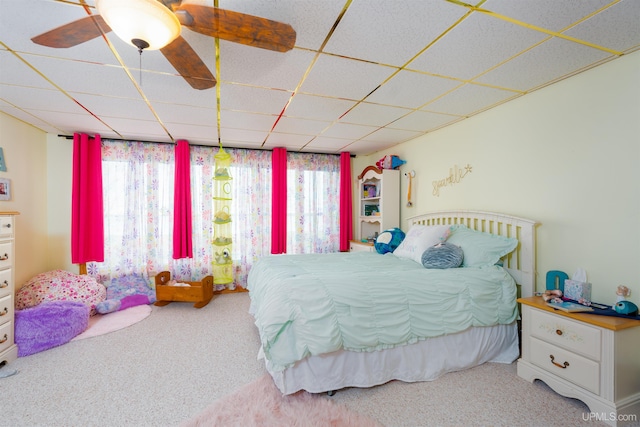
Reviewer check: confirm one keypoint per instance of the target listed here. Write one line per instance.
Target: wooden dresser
(593, 358)
(8, 349)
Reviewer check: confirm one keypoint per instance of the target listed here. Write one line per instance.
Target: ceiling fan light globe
(145, 20)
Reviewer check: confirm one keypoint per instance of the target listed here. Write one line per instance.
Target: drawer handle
(4, 257)
(5, 311)
(563, 366)
(4, 284)
(6, 225)
(4, 339)
(558, 331)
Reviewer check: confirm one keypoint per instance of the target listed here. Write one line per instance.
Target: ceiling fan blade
(237, 27)
(73, 33)
(188, 64)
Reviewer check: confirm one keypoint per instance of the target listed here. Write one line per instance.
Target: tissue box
(576, 290)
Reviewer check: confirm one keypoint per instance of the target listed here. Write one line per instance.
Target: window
(138, 204)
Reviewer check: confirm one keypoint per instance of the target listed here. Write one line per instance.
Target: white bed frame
(428, 359)
(521, 263)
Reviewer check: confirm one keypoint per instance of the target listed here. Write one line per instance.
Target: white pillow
(418, 239)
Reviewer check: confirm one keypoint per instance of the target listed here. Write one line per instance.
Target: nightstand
(593, 358)
(355, 246)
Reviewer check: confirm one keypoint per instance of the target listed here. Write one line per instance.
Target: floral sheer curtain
(313, 202)
(138, 203)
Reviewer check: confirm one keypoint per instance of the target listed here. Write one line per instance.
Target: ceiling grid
(362, 76)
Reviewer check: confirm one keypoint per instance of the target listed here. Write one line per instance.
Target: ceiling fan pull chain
(140, 44)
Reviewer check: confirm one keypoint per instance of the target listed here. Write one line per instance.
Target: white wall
(566, 155)
(25, 154)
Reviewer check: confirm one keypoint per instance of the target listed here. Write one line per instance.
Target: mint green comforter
(362, 301)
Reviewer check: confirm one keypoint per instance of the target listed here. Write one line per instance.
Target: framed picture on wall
(5, 189)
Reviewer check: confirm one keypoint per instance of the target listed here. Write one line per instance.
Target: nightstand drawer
(574, 336)
(577, 369)
(6, 336)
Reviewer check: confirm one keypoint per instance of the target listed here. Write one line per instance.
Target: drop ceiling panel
(383, 32)
(70, 122)
(373, 114)
(185, 114)
(241, 120)
(343, 78)
(551, 60)
(260, 67)
(40, 99)
(411, 89)
(43, 16)
(14, 70)
(172, 89)
(80, 77)
(323, 144)
(549, 14)
(393, 136)
(200, 134)
(474, 46)
(288, 141)
(241, 135)
(423, 121)
(26, 117)
(367, 146)
(311, 19)
(321, 108)
(125, 126)
(349, 131)
(252, 99)
(301, 126)
(112, 107)
(470, 99)
(610, 28)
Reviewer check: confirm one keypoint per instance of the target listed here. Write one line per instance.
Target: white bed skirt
(423, 361)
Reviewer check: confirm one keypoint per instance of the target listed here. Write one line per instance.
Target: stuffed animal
(390, 162)
(127, 291)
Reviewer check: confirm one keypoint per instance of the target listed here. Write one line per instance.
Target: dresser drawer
(6, 336)
(574, 336)
(6, 226)
(6, 309)
(562, 363)
(6, 287)
(6, 255)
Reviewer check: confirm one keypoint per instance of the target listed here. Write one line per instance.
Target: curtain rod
(197, 145)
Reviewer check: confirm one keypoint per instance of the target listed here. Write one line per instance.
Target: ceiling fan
(128, 19)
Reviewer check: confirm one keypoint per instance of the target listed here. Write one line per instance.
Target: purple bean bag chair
(49, 325)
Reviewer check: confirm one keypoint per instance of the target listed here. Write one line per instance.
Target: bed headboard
(521, 263)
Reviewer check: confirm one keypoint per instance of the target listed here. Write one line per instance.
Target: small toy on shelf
(622, 293)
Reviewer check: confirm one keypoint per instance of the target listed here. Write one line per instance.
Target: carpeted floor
(170, 367)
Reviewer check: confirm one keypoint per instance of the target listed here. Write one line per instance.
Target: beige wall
(25, 153)
(567, 156)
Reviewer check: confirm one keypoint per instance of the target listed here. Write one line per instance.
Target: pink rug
(101, 324)
(260, 403)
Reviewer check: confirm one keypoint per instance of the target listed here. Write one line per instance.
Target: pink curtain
(279, 201)
(182, 225)
(346, 210)
(87, 219)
